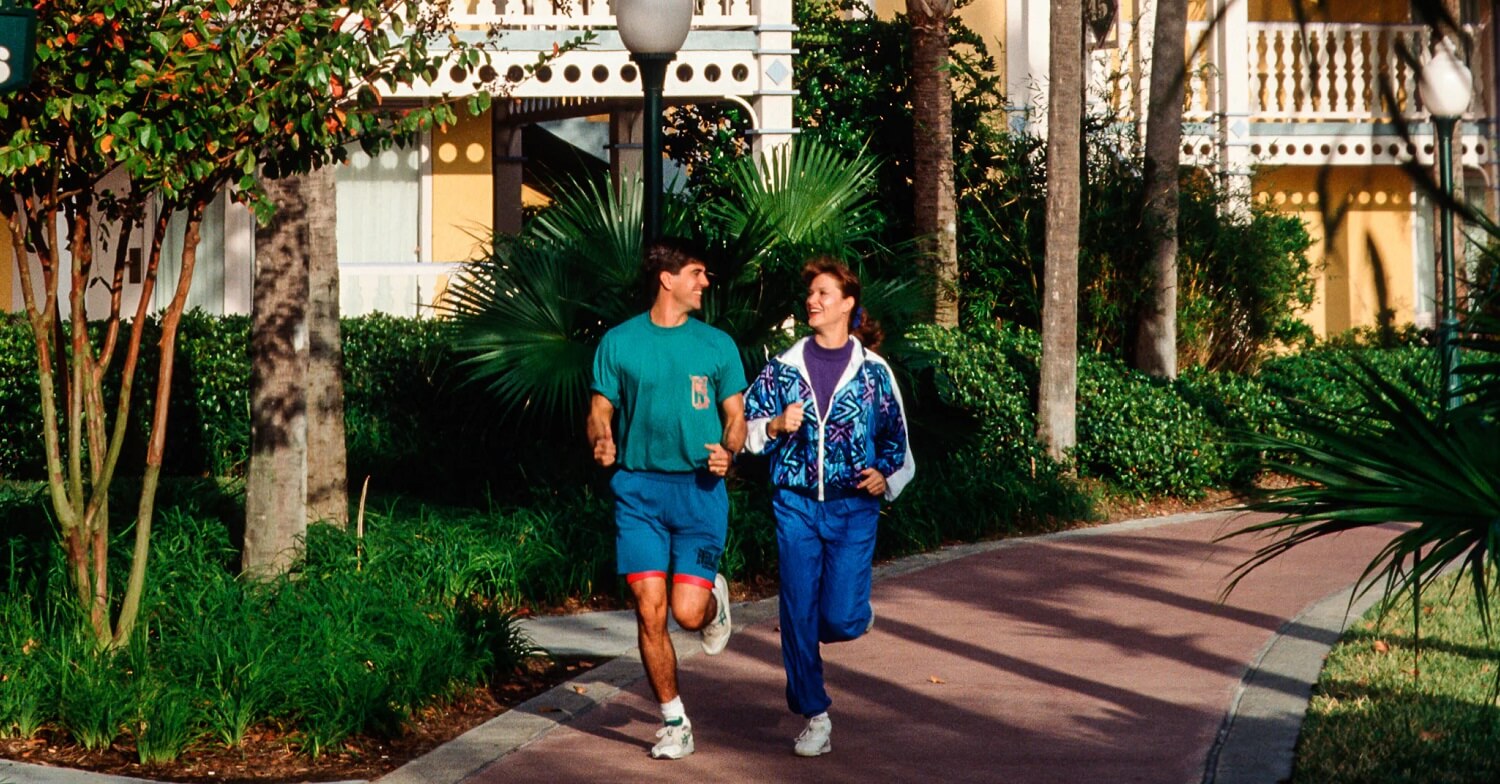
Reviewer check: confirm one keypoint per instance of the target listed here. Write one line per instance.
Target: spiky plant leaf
(1399, 460)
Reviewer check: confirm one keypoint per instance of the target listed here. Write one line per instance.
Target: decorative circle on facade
(684, 73)
(712, 73)
(571, 73)
(740, 73)
(627, 72)
(600, 74)
(544, 74)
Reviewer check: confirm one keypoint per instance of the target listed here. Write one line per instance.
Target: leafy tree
(185, 98)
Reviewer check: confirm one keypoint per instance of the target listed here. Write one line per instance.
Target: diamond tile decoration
(777, 72)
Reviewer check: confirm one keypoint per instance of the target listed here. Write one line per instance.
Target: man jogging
(667, 406)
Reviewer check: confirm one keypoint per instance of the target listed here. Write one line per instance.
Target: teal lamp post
(17, 44)
(653, 31)
(1446, 89)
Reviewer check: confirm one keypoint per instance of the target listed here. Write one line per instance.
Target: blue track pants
(826, 549)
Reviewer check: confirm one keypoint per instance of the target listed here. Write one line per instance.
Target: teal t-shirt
(666, 384)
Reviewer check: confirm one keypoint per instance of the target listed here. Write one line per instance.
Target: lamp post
(1446, 89)
(653, 31)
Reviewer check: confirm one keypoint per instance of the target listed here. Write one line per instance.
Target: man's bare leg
(693, 606)
(657, 654)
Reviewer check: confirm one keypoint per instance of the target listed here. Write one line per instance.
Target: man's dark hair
(670, 255)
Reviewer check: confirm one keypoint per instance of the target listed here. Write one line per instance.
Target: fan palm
(528, 317)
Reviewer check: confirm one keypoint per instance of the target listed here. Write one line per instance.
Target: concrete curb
(1257, 741)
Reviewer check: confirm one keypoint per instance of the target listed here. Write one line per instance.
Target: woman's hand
(873, 482)
(788, 421)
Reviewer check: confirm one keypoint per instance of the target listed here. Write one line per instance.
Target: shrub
(1135, 432)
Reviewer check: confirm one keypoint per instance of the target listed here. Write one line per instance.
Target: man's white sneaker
(716, 632)
(815, 739)
(676, 741)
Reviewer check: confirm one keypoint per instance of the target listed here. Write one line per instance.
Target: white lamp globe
(654, 26)
(1447, 85)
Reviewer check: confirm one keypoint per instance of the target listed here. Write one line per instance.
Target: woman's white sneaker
(716, 632)
(815, 739)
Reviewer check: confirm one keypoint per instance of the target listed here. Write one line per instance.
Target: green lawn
(1376, 716)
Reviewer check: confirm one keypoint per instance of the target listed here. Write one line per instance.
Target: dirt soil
(271, 756)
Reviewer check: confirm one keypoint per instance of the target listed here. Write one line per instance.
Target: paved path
(1101, 655)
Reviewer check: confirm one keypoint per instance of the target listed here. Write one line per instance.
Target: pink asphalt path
(1102, 658)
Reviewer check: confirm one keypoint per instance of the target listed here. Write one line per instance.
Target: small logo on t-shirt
(700, 392)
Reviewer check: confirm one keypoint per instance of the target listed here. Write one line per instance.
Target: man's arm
(721, 455)
(733, 408)
(601, 436)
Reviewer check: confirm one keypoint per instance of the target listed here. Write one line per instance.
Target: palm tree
(1057, 396)
(934, 198)
(1156, 340)
(528, 317)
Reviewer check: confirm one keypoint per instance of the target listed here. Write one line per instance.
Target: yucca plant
(1399, 458)
(529, 316)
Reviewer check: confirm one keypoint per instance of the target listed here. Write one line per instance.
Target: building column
(1026, 49)
(626, 148)
(1231, 52)
(772, 103)
(507, 168)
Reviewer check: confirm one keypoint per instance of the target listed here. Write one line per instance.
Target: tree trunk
(934, 201)
(327, 463)
(1156, 336)
(276, 488)
(1057, 397)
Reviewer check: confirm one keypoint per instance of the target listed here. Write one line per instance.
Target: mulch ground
(269, 755)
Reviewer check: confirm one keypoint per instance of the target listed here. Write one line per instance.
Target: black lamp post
(1446, 89)
(653, 31)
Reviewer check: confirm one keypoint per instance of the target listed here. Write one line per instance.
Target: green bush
(364, 634)
(1135, 432)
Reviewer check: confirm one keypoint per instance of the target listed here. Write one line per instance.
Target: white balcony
(738, 49)
(1289, 94)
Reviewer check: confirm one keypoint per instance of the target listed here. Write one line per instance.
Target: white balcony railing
(562, 14)
(1349, 72)
(1303, 73)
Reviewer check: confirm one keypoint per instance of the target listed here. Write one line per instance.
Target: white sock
(673, 712)
(823, 715)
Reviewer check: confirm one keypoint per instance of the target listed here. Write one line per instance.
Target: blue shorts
(669, 523)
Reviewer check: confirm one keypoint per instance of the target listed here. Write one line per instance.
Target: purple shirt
(825, 365)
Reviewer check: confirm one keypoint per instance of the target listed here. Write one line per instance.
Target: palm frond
(1401, 461)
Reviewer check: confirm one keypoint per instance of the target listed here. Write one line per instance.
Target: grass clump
(1391, 709)
(363, 636)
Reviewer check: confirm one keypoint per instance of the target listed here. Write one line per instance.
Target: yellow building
(1290, 114)
(1295, 115)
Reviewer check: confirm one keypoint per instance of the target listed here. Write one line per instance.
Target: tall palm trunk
(1057, 397)
(935, 204)
(1156, 336)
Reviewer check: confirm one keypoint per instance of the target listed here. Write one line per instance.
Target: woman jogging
(829, 413)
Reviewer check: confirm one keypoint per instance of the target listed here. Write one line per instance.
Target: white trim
(424, 204)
